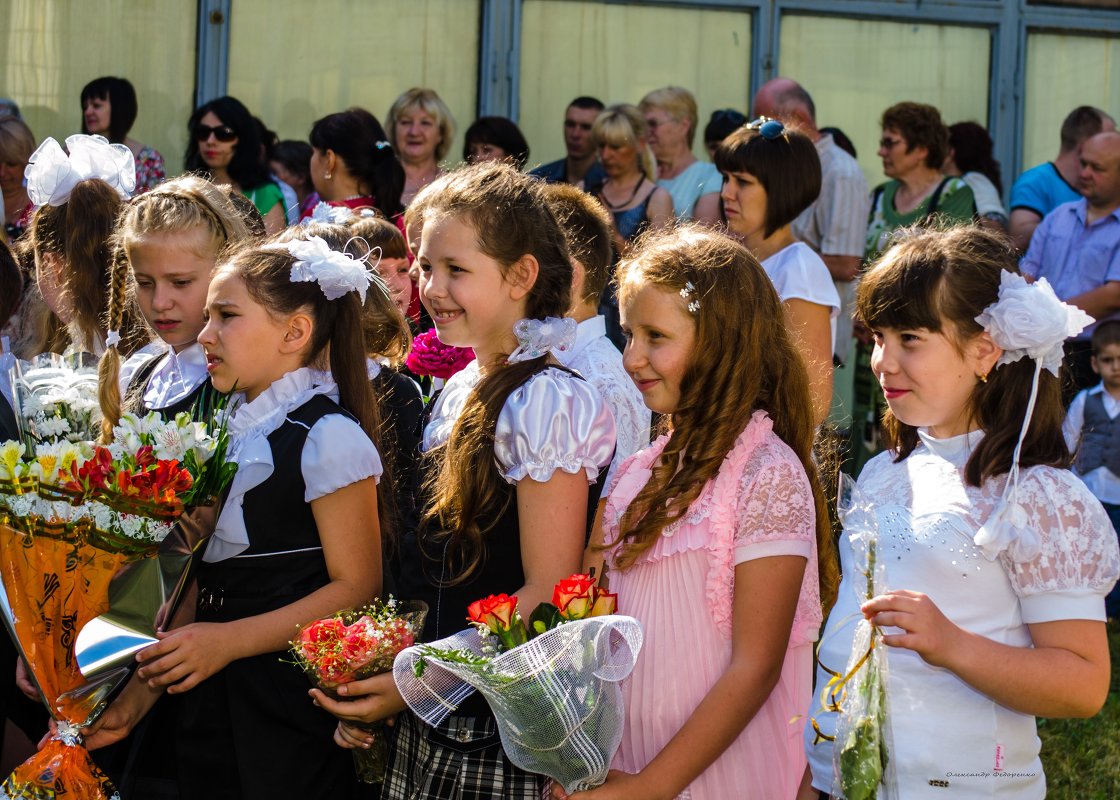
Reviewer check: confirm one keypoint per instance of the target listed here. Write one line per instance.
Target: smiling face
(417, 135)
(464, 290)
(744, 203)
(660, 337)
(97, 112)
(172, 272)
(244, 343)
(215, 154)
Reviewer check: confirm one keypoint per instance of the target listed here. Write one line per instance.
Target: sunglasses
(769, 128)
(223, 133)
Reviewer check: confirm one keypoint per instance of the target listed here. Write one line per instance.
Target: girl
(225, 142)
(297, 538)
(771, 174)
(716, 537)
(998, 577)
(353, 164)
(168, 242)
(511, 447)
(79, 197)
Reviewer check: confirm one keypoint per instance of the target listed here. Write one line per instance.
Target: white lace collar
(955, 449)
(586, 332)
(265, 414)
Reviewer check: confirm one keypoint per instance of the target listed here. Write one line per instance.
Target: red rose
(574, 596)
(605, 603)
(498, 613)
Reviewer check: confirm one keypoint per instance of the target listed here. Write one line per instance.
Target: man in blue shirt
(1041, 189)
(581, 167)
(1076, 248)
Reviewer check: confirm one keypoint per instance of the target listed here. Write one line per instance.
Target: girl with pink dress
(716, 538)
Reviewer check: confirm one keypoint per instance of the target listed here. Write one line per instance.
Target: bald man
(1076, 247)
(836, 224)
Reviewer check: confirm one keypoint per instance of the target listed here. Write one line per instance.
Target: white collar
(267, 412)
(586, 332)
(189, 359)
(955, 449)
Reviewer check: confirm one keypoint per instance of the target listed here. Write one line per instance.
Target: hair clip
(768, 127)
(382, 145)
(535, 337)
(686, 292)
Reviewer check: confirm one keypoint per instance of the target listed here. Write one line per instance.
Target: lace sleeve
(1078, 559)
(776, 514)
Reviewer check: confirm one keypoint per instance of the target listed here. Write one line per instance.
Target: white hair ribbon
(535, 337)
(336, 273)
(52, 174)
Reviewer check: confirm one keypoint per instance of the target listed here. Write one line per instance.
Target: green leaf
(545, 617)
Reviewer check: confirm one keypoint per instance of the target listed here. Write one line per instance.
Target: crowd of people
(661, 346)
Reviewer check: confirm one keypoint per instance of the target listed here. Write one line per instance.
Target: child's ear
(579, 274)
(986, 352)
(522, 275)
(297, 333)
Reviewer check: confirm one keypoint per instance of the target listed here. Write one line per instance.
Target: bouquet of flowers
(862, 768)
(93, 555)
(55, 398)
(356, 644)
(552, 683)
(430, 356)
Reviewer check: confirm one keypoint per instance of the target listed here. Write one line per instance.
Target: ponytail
(358, 139)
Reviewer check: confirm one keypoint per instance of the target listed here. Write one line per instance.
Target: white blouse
(337, 453)
(176, 376)
(1058, 567)
(798, 273)
(554, 420)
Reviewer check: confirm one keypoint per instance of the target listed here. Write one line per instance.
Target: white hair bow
(535, 337)
(52, 174)
(336, 273)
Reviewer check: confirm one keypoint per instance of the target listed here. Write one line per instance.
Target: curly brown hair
(745, 360)
(921, 126)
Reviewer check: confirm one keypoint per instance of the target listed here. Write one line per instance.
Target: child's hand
(374, 699)
(928, 632)
(619, 786)
(186, 656)
(24, 682)
(349, 737)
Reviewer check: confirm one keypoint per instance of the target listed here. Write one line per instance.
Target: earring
(983, 378)
(326, 176)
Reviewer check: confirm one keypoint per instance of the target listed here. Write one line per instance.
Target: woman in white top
(771, 173)
(970, 158)
(694, 185)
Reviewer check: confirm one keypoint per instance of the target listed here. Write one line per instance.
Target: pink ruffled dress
(681, 590)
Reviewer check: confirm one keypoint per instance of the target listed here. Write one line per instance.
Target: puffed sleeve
(776, 514)
(554, 420)
(1076, 559)
(337, 453)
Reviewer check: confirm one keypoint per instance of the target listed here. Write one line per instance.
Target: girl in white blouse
(996, 556)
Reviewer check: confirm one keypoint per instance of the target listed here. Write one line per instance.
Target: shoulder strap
(935, 198)
(876, 198)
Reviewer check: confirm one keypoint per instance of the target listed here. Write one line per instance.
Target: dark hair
(498, 132)
(787, 166)
(841, 139)
(941, 280)
(379, 233)
(510, 219)
(1080, 124)
(246, 167)
(296, 158)
(972, 151)
(921, 126)
(122, 104)
(358, 139)
(587, 103)
(268, 138)
(722, 124)
(11, 284)
(1106, 333)
(587, 230)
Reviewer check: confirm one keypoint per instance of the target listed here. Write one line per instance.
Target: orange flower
(605, 603)
(574, 596)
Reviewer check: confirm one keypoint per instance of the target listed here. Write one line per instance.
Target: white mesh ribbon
(52, 174)
(535, 337)
(556, 699)
(336, 273)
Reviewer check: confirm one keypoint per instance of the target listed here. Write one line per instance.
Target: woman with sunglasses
(771, 173)
(109, 109)
(225, 143)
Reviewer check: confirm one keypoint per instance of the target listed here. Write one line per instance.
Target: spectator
(291, 163)
(1077, 248)
(694, 185)
(841, 139)
(353, 164)
(970, 158)
(581, 166)
(1042, 188)
(495, 139)
(225, 142)
(721, 125)
(269, 140)
(17, 143)
(835, 224)
(109, 109)
(420, 129)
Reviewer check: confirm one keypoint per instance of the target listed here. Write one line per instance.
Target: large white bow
(336, 273)
(52, 174)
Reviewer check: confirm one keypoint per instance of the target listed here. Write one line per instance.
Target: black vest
(199, 403)
(1100, 438)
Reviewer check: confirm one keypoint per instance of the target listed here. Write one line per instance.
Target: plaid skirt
(461, 759)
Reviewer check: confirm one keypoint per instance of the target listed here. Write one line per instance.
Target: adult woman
(635, 201)
(225, 142)
(495, 139)
(970, 158)
(914, 146)
(420, 129)
(771, 174)
(109, 110)
(670, 115)
(17, 143)
(353, 164)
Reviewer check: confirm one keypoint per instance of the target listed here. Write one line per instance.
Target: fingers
(161, 648)
(356, 737)
(353, 710)
(173, 675)
(188, 683)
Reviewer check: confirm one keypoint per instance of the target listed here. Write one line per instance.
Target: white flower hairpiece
(535, 337)
(336, 273)
(687, 292)
(1028, 320)
(52, 174)
(325, 212)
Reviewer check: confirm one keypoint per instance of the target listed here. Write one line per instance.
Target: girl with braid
(716, 537)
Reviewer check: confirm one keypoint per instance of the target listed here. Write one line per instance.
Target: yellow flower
(11, 457)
